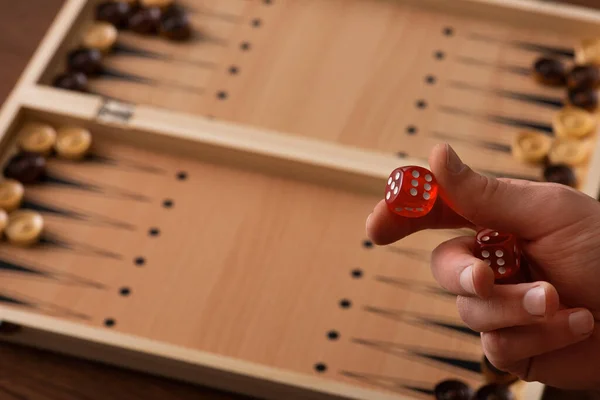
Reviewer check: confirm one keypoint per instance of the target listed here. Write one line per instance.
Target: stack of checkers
(497, 386)
(145, 17)
(36, 142)
(575, 124)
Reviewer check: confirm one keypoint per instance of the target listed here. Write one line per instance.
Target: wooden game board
(216, 234)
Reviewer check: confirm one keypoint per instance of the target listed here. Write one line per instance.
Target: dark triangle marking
(71, 183)
(55, 179)
(469, 365)
(389, 383)
(457, 328)
(198, 38)
(521, 123)
(118, 75)
(126, 49)
(46, 307)
(42, 208)
(8, 266)
(53, 240)
(90, 218)
(13, 267)
(428, 392)
(415, 286)
(552, 102)
(534, 47)
(119, 162)
(515, 69)
(542, 48)
(122, 48)
(417, 319)
(222, 16)
(12, 300)
(504, 148)
(418, 255)
(459, 362)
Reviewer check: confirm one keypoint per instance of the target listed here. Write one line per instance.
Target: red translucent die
(500, 251)
(411, 191)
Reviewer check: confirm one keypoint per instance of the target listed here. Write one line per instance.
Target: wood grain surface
(35, 375)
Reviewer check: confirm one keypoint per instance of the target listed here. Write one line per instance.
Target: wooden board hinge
(115, 112)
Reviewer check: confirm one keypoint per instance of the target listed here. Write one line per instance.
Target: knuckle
(497, 348)
(488, 187)
(462, 304)
(468, 314)
(438, 261)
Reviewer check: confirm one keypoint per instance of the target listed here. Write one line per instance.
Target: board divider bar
(238, 146)
(303, 158)
(60, 102)
(176, 362)
(323, 155)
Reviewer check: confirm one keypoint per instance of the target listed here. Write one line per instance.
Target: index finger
(385, 227)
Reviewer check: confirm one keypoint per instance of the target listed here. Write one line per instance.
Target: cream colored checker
(531, 146)
(588, 52)
(73, 142)
(24, 227)
(36, 137)
(574, 123)
(11, 194)
(101, 36)
(569, 151)
(157, 3)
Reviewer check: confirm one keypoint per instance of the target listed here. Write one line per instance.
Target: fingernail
(466, 280)
(368, 219)
(534, 301)
(453, 162)
(581, 322)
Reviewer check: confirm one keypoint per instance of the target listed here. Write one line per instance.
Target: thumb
(526, 209)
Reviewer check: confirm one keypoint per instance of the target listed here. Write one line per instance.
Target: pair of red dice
(412, 192)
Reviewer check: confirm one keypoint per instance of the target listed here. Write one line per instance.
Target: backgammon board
(185, 185)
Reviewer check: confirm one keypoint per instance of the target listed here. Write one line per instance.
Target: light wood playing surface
(283, 256)
(386, 76)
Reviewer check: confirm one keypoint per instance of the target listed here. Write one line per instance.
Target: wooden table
(28, 374)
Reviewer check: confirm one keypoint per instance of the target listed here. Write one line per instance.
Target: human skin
(541, 328)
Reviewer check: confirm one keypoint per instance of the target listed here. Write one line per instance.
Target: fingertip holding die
(500, 251)
(411, 191)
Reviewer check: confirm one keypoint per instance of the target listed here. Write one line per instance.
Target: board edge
(176, 362)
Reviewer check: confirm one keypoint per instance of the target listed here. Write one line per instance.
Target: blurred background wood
(36, 375)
